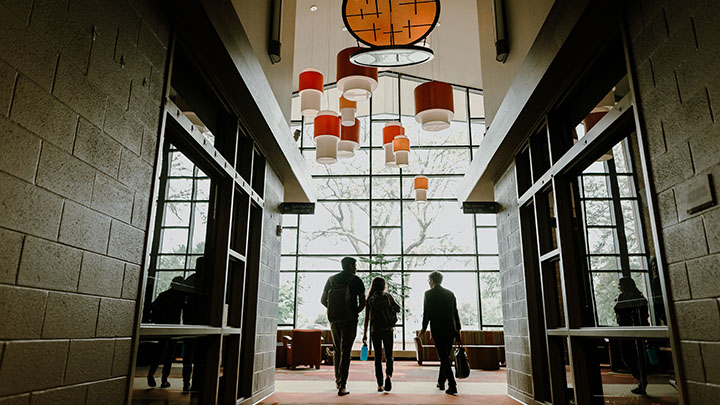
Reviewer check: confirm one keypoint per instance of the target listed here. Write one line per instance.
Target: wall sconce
(275, 26)
(502, 45)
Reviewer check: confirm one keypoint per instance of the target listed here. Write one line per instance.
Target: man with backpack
(344, 298)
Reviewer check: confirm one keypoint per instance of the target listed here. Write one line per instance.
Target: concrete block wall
(512, 277)
(80, 94)
(676, 51)
(267, 309)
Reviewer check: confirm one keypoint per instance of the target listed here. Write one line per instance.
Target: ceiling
(319, 36)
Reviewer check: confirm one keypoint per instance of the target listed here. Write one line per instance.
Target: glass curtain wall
(367, 211)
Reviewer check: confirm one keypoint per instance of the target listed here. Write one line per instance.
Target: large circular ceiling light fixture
(392, 29)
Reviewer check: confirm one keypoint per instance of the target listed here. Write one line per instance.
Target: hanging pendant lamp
(347, 111)
(327, 136)
(311, 89)
(349, 140)
(401, 149)
(420, 184)
(434, 107)
(356, 83)
(390, 131)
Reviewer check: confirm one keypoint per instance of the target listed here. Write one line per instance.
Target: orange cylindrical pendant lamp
(310, 88)
(349, 140)
(327, 136)
(401, 149)
(421, 187)
(356, 83)
(390, 132)
(434, 106)
(347, 111)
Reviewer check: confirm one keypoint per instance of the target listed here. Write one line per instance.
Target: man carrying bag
(440, 311)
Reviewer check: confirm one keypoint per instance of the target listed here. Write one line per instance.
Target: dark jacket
(440, 310)
(167, 307)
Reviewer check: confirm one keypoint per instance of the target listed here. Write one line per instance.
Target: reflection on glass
(176, 362)
(630, 367)
(175, 277)
(613, 227)
(286, 299)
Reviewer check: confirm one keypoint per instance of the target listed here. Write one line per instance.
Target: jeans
(444, 348)
(343, 333)
(382, 339)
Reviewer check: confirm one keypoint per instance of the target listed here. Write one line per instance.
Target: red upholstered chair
(425, 348)
(303, 348)
(280, 350)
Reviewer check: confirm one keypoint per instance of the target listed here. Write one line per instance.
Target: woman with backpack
(381, 314)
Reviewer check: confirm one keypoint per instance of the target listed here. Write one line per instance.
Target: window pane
(386, 187)
(598, 212)
(341, 228)
(328, 263)
(437, 228)
(464, 286)
(438, 187)
(177, 214)
(289, 241)
(477, 105)
(286, 298)
(344, 188)
(386, 213)
(439, 161)
(487, 240)
(310, 312)
(444, 263)
(179, 189)
(386, 241)
(359, 164)
(491, 299)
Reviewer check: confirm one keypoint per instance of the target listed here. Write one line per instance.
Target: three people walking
(343, 296)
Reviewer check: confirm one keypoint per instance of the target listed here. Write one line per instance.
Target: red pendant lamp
(349, 140)
(356, 83)
(434, 106)
(310, 88)
(420, 184)
(327, 136)
(390, 132)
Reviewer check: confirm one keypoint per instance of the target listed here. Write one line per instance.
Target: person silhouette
(631, 309)
(192, 315)
(166, 309)
(381, 314)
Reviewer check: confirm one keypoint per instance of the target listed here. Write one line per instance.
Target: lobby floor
(412, 384)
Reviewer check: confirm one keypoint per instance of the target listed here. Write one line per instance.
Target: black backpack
(383, 315)
(339, 301)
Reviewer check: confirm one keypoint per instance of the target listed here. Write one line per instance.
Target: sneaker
(151, 381)
(388, 384)
(639, 390)
(186, 387)
(380, 388)
(451, 390)
(343, 391)
(165, 384)
(441, 387)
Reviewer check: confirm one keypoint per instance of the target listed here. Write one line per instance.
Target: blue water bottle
(364, 352)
